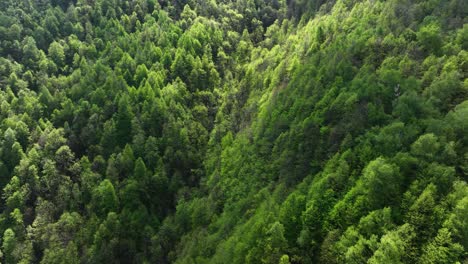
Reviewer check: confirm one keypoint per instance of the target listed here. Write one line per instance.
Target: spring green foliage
(219, 131)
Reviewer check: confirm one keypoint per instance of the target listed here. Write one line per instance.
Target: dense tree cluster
(219, 131)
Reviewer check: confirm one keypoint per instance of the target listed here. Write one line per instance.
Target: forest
(234, 131)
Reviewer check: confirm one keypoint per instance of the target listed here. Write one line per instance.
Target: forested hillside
(222, 131)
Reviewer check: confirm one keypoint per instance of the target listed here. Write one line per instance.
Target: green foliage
(226, 131)
(9, 245)
(394, 246)
(429, 38)
(123, 122)
(442, 249)
(57, 53)
(105, 199)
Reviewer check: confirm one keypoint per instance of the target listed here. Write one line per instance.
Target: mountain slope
(234, 131)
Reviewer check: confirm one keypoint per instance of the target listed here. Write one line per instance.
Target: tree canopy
(220, 131)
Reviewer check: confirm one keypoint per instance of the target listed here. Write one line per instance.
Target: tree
(182, 64)
(59, 255)
(284, 259)
(123, 122)
(421, 214)
(106, 239)
(140, 74)
(57, 53)
(382, 180)
(51, 23)
(275, 244)
(127, 160)
(16, 83)
(31, 54)
(105, 199)
(159, 187)
(9, 245)
(394, 246)
(64, 158)
(140, 172)
(442, 249)
(457, 222)
(109, 138)
(12, 150)
(290, 216)
(429, 38)
(376, 222)
(426, 146)
(127, 67)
